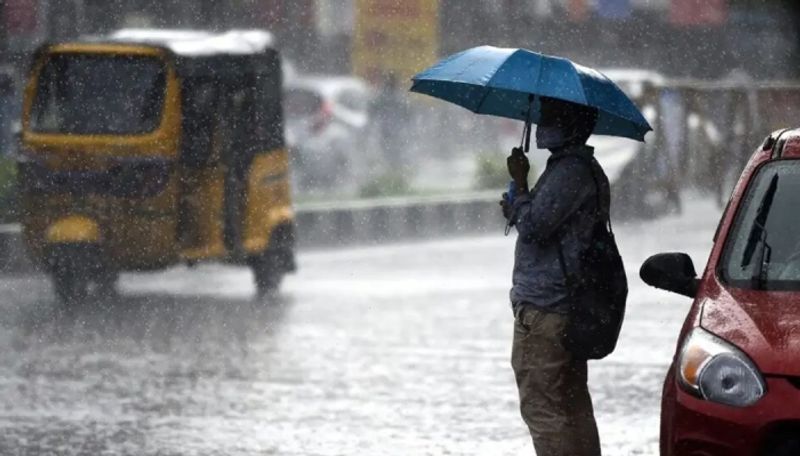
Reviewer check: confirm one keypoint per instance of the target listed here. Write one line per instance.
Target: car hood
(765, 325)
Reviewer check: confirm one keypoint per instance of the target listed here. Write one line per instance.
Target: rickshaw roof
(198, 53)
(197, 43)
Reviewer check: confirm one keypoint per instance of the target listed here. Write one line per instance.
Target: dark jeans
(553, 394)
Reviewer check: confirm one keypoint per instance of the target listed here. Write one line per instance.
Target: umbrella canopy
(500, 82)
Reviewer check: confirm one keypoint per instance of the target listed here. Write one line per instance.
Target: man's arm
(538, 216)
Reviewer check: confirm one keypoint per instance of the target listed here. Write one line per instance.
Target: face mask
(549, 137)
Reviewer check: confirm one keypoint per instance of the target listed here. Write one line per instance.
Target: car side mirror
(672, 272)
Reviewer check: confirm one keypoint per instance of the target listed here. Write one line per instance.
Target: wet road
(397, 350)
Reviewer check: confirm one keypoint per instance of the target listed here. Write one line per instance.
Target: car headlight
(715, 370)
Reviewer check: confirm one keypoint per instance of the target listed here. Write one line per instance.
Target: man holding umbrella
(569, 285)
(555, 223)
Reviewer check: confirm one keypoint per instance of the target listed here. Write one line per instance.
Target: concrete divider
(358, 222)
(377, 221)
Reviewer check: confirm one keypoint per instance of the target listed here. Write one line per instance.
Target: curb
(13, 256)
(362, 222)
(369, 222)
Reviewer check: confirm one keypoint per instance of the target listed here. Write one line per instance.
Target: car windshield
(89, 94)
(763, 249)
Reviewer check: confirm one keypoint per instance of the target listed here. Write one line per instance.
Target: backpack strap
(603, 207)
(603, 211)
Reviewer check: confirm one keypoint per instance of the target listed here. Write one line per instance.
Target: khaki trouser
(553, 394)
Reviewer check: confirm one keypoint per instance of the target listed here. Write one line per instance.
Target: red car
(734, 384)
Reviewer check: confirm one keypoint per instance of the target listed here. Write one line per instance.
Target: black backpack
(599, 292)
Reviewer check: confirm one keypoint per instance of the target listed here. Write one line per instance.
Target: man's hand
(518, 168)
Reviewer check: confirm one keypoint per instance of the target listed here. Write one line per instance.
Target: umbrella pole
(525, 142)
(524, 135)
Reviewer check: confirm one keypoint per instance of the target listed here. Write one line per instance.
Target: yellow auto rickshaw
(147, 148)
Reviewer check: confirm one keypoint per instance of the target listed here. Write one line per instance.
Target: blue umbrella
(509, 82)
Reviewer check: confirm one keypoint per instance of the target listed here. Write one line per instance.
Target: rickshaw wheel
(271, 266)
(70, 287)
(73, 267)
(267, 273)
(106, 282)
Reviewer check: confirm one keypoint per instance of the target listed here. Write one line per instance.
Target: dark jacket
(554, 224)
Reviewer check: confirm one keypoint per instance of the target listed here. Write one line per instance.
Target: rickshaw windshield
(99, 94)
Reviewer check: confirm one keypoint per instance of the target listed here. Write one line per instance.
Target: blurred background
(679, 37)
(347, 65)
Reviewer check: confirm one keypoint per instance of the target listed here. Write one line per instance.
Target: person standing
(671, 164)
(391, 115)
(555, 222)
